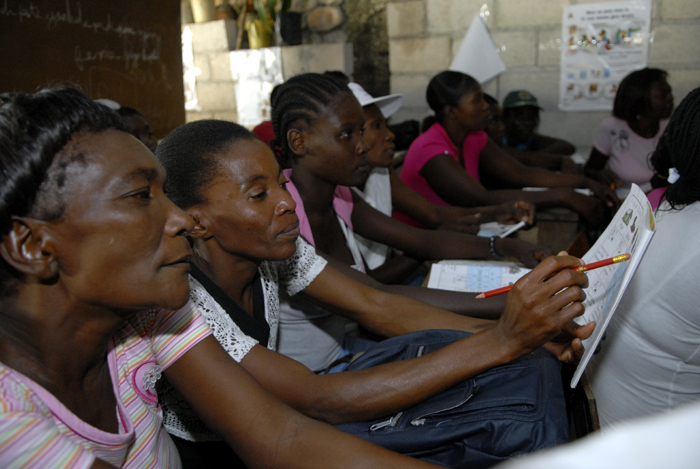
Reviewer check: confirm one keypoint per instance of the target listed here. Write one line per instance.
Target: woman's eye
(259, 195)
(140, 194)
(283, 185)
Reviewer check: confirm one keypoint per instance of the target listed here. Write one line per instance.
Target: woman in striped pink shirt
(94, 309)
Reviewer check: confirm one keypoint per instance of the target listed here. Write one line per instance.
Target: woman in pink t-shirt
(451, 162)
(90, 250)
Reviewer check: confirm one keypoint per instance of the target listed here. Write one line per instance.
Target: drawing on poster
(601, 44)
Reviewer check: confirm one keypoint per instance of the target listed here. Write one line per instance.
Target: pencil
(581, 268)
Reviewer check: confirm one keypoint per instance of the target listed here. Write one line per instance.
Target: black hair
(490, 100)
(679, 147)
(126, 111)
(189, 154)
(34, 157)
(446, 89)
(633, 96)
(338, 75)
(301, 98)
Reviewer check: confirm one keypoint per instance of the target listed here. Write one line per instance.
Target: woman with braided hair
(318, 123)
(650, 360)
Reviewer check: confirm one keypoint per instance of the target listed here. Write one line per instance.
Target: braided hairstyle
(679, 147)
(301, 98)
(35, 157)
(189, 156)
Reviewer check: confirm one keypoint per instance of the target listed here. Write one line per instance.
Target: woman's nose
(179, 222)
(286, 204)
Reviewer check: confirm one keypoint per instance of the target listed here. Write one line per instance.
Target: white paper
(501, 230)
(478, 55)
(474, 276)
(630, 231)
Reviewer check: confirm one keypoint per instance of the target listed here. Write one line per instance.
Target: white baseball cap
(387, 104)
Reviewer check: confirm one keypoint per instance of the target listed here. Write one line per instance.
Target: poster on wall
(601, 44)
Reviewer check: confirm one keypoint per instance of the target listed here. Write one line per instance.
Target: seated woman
(649, 361)
(496, 129)
(625, 141)
(247, 245)
(90, 250)
(446, 163)
(325, 152)
(384, 190)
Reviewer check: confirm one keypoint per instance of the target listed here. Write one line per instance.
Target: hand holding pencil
(581, 268)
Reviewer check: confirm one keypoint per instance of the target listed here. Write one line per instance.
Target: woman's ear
(201, 224)
(296, 139)
(28, 248)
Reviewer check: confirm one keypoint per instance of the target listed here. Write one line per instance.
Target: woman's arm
(596, 168)
(508, 170)
(546, 144)
(263, 431)
(432, 244)
(389, 315)
(456, 186)
(457, 302)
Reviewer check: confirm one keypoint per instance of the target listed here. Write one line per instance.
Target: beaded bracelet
(492, 248)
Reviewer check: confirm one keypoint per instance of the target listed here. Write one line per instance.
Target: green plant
(268, 10)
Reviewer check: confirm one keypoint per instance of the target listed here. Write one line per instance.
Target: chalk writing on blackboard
(136, 45)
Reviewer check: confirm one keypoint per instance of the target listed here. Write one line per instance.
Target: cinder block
(220, 64)
(517, 47)
(675, 43)
(543, 83)
(211, 36)
(524, 13)
(418, 55)
(231, 116)
(680, 9)
(216, 96)
(549, 46)
(576, 127)
(405, 18)
(191, 116)
(316, 58)
(445, 16)
(682, 81)
(412, 87)
(201, 62)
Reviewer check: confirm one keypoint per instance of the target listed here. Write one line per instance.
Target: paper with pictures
(474, 276)
(630, 231)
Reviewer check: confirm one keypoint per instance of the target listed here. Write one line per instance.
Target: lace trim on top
(295, 273)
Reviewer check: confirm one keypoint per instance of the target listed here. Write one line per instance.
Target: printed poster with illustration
(630, 231)
(601, 44)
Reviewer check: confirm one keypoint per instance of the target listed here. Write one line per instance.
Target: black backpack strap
(254, 326)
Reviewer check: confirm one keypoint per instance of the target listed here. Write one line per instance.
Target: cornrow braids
(301, 98)
(681, 142)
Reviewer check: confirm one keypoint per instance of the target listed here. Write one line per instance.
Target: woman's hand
(514, 212)
(544, 303)
(606, 193)
(527, 253)
(463, 224)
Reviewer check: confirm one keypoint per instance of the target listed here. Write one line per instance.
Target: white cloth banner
(601, 44)
(478, 55)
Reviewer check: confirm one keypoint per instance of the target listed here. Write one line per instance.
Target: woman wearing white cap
(384, 190)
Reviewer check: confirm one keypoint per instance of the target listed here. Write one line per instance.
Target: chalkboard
(125, 50)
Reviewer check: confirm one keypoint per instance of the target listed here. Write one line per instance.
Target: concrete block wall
(213, 45)
(424, 35)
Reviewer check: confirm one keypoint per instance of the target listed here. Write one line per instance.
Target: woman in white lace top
(246, 229)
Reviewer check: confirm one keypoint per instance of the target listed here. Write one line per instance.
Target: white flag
(478, 55)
